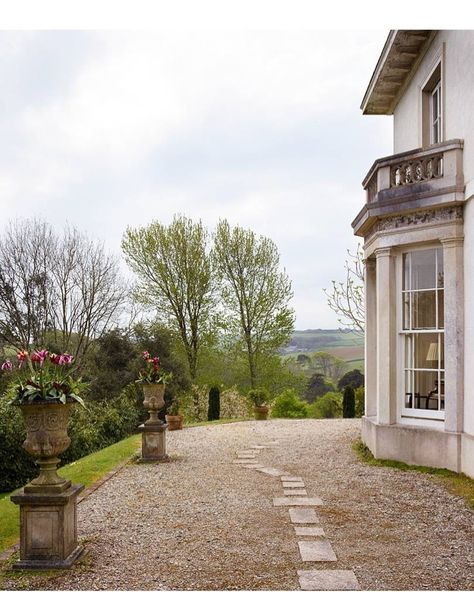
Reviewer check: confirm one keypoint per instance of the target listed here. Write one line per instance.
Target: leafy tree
(317, 387)
(255, 293)
(329, 365)
(175, 278)
(353, 378)
(348, 402)
(347, 298)
(214, 408)
(303, 359)
(327, 407)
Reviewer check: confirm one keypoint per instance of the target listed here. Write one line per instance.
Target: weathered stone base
(154, 442)
(48, 529)
(414, 445)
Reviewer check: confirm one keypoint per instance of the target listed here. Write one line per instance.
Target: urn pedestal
(48, 519)
(154, 430)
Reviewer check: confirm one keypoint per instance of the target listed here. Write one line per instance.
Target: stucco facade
(418, 230)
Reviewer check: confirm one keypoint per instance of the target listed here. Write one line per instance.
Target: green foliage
(214, 408)
(287, 404)
(327, 407)
(353, 378)
(255, 293)
(259, 396)
(317, 387)
(359, 402)
(233, 405)
(348, 402)
(329, 365)
(176, 278)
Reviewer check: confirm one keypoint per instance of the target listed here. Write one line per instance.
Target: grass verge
(86, 470)
(456, 483)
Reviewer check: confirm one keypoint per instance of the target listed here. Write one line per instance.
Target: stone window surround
(436, 74)
(382, 343)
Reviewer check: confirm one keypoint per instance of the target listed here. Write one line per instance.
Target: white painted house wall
(456, 49)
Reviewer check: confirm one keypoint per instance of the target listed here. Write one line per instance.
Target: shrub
(328, 406)
(233, 405)
(317, 387)
(214, 409)
(348, 402)
(287, 404)
(354, 378)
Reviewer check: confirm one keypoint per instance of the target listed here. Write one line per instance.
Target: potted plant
(173, 417)
(260, 397)
(43, 387)
(153, 380)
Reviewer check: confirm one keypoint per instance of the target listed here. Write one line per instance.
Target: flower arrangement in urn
(43, 386)
(153, 380)
(260, 397)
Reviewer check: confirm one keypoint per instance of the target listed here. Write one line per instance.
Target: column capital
(454, 241)
(370, 264)
(383, 252)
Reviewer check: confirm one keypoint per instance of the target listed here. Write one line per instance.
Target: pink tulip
(146, 355)
(7, 366)
(65, 359)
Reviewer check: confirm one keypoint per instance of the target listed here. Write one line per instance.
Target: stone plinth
(154, 442)
(48, 529)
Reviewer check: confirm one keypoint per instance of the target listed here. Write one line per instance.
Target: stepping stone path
(315, 548)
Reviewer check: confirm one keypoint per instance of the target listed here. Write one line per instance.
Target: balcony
(413, 180)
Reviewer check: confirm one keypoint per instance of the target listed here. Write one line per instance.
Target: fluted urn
(154, 400)
(46, 426)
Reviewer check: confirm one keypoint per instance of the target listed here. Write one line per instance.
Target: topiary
(214, 407)
(348, 402)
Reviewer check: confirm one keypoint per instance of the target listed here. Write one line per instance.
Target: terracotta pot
(46, 427)
(261, 411)
(175, 422)
(154, 400)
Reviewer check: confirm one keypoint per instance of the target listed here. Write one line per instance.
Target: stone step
(296, 501)
(328, 579)
(320, 550)
(303, 516)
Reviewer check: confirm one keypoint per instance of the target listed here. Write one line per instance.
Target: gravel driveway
(203, 522)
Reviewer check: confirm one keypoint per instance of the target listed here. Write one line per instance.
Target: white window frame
(428, 417)
(436, 118)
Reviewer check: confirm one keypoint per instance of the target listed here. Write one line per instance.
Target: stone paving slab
(291, 478)
(295, 492)
(296, 501)
(309, 531)
(328, 579)
(270, 471)
(259, 447)
(246, 456)
(292, 484)
(253, 466)
(303, 516)
(316, 550)
(245, 461)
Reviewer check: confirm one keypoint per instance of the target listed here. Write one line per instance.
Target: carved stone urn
(46, 426)
(154, 400)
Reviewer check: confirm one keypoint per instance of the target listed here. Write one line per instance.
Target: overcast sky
(109, 129)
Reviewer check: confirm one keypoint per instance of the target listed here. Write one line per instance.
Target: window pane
(435, 105)
(424, 310)
(409, 399)
(406, 310)
(426, 350)
(425, 390)
(406, 271)
(440, 279)
(441, 309)
(423, 269)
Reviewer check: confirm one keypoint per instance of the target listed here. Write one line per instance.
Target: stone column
(386, 336)
(370, 345)
(453, 333)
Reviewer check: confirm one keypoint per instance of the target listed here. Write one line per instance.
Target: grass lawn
(86, 470)
(456, 483)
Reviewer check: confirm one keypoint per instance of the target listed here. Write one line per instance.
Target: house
(418, 230)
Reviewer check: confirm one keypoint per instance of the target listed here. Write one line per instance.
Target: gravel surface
(202, 522)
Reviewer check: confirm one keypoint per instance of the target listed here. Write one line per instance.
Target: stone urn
(261, 412)
(46, 426)
(154, 400)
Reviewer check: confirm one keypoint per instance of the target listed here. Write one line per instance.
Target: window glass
(423, 269)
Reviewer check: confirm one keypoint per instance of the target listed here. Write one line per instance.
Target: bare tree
(347, 298)
(64, 288)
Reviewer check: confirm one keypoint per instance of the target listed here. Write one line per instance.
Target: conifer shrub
(214, 408)
(348, 402)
